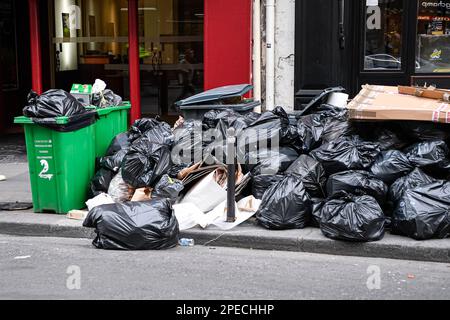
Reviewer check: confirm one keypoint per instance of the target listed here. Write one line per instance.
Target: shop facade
(152, 52)
(386, 42)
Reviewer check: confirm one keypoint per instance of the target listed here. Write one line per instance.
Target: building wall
(284, 53)
(228, 42)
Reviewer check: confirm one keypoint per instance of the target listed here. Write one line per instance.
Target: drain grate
(15, 206)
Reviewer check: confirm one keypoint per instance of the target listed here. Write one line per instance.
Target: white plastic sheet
(190, 216)
(99, 200)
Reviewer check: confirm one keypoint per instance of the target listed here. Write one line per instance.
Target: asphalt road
(45, 268)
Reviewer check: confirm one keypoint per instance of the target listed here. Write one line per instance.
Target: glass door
(383, 42)
(383, 37)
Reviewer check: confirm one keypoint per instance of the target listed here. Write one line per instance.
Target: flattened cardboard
(385, 103)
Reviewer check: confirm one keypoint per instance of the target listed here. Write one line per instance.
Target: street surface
(61, 268)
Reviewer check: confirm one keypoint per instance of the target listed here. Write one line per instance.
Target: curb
(247, 236)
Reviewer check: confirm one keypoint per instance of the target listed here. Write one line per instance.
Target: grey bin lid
(217, 94)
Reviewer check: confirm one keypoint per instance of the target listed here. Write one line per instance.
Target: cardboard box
(385, 103)
(82, 92)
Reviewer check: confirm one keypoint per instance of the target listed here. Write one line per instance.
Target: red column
(35, 44)
(133, 56)
(228, 42)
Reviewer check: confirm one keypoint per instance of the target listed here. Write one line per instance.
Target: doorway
(403, 42)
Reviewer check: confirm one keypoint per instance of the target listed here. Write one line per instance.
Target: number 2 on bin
(45, 167)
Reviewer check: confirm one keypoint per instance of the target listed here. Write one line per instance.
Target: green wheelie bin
(61, 165)
(111, 121)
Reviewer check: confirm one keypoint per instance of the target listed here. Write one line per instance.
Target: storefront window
(91, 41)
(433, 37)
(383, 36)
(90, 36)
(171, 41)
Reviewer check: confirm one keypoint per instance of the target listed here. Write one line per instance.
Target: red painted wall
(228, 42)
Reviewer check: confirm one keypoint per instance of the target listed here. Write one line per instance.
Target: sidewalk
(249, 235)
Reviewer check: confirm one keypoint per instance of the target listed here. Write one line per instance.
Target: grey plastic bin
(221, 98)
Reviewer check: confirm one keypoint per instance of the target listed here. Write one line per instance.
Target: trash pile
(353, 180)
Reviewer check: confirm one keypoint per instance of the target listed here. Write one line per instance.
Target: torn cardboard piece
(77, 215)
(206, 194)
(386, 103)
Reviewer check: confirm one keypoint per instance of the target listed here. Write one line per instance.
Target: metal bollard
(231, 179)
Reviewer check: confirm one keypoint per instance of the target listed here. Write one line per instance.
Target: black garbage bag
(310, 130)
(168, 188)
(46, 108)
(415, 179)
(357, 183)
(428, 153)
(328, 124)
(266, 161)
(156, 131)
(224, 119)
(53, 103)
(272, 127)
(311, 173)
(161, 134)
(391, 165)
(352, 218)
(385, 134)
(349, 153)
(100, 182)
(285, 205)
(288, 132)
(388, 140)
(116, 152)
(317, 205)
(148, 225)
(335, 123)
(188, 146)
(145, 163)
(120, 142)
(106, 99)
(113, 162)
(263, 182)
(425, 131)
(424, 212)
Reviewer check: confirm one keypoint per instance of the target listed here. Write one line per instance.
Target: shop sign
(435, 4)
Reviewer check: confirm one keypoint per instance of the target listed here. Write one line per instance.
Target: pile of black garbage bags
(353, 180)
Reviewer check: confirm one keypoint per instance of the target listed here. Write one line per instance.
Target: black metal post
(231, 179)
